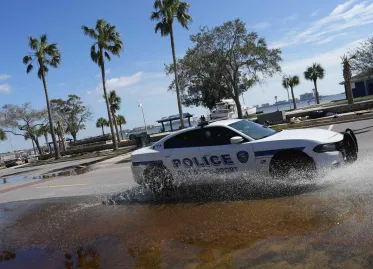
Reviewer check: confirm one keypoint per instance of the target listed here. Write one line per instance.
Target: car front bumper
(327, 160)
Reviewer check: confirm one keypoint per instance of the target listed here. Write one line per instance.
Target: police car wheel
(351, 148)
(292, 166)
(158, 178)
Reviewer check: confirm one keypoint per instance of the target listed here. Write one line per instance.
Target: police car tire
(350, 144)
(282, 164)
(158, 178)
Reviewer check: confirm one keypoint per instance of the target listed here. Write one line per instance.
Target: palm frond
(33, 43)
(89, 32)
(94, 54)
(27, 59)
(40, 73)
(115, 49)
(29, 68)
(43, 39)
(156, 15)
(107, 56)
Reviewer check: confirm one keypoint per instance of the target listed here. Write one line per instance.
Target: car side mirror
(236, 139)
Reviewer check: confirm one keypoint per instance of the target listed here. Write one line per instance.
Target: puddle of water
(323, 224)
(19, 178)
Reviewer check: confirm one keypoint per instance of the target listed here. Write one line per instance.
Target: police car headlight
(325, 148)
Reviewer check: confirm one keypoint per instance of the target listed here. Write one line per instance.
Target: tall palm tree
(347, 75)
(114, 102)
(313, 73)
(165, 13)
(121, 120)
(60, 131)
(291, 82)
(101, 123)
(45, 55)
(107, 40)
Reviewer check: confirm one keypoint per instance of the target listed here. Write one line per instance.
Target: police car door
(181, 154)
(222, 156)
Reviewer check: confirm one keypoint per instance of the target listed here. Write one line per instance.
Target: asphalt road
(323, 224)
(117, 177)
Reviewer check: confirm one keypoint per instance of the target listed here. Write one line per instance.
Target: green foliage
(43, 53)
(224, 62)
(314, 72)
(291, 82)
(71, 113)
(2, 135)
(166, 11)
(361, 59)
(114, 101)
(121, 120)
(107, 40)
(102, 122)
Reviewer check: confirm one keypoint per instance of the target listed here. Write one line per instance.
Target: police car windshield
(252, 129)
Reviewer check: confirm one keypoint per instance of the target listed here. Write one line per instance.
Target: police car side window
(188, 139)
(217, 136)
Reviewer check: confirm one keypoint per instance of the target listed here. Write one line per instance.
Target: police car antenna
(203, 122)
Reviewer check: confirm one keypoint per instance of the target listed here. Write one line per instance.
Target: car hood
(314, 135)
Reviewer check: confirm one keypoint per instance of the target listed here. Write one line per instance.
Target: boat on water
(227, 109)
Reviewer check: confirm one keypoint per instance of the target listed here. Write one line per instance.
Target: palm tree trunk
(116, 127)
(46, 139)
(349, 92)
(316, 92)
(121, 131)
(176, 80)
(38, 146)
(63, 142)
(292, 95)
(57, 154)
(115, 145)
(288, 97)
(102, 127)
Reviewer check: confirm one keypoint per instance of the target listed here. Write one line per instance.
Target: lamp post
(276, 102)
(143, 116)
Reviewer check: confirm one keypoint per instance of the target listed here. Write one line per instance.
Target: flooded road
(324, 224)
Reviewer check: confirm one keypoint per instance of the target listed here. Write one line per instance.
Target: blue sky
(315, 31)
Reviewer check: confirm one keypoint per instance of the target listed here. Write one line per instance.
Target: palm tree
(45, 55)
(286, 86)
(114, 102)
(107, 40)
(314, 72)
(291, 81)
(347, 75)
(101, 123)
(165, 12)
(121, 120)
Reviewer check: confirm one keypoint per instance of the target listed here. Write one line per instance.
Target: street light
(276, 102)
(143, 116)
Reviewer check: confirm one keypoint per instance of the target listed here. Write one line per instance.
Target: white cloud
(61, 84)
(4, 77)
(292, 17)
(331, 38)
(261, 25)
(315, 13)
(122, 82)
(5, 88)
(344, 16)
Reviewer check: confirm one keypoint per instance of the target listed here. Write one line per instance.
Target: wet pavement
(321, 224)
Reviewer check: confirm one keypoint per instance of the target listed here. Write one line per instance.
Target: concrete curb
(332, 122)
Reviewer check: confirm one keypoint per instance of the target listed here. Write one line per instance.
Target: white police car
(240, 145)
